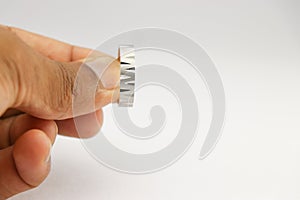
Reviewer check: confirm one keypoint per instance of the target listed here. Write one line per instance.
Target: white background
(255, 46)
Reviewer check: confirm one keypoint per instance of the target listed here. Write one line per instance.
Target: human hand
(37, 77)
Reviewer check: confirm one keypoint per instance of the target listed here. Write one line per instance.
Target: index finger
(51, 48)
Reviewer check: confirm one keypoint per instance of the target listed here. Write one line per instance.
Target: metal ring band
(127, 75)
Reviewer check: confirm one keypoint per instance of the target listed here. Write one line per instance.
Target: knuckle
(65, 87)
(10, 79)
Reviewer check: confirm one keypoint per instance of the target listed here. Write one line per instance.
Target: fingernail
(48, 157)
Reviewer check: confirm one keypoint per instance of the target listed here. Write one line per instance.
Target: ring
(127, 75)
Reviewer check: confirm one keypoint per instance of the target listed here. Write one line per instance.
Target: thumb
(26, 164)
(51, 90)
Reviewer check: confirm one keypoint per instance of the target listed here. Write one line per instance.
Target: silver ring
(127, 75)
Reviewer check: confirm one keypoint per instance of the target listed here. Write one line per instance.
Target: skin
(36, 89)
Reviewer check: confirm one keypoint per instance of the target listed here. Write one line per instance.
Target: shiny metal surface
(127, 75)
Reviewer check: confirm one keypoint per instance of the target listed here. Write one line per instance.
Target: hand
(37, 77)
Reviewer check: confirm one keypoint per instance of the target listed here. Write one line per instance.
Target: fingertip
(88, 126)
(111, 76)
(94, 122)
(84, 126)
(31, 153)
